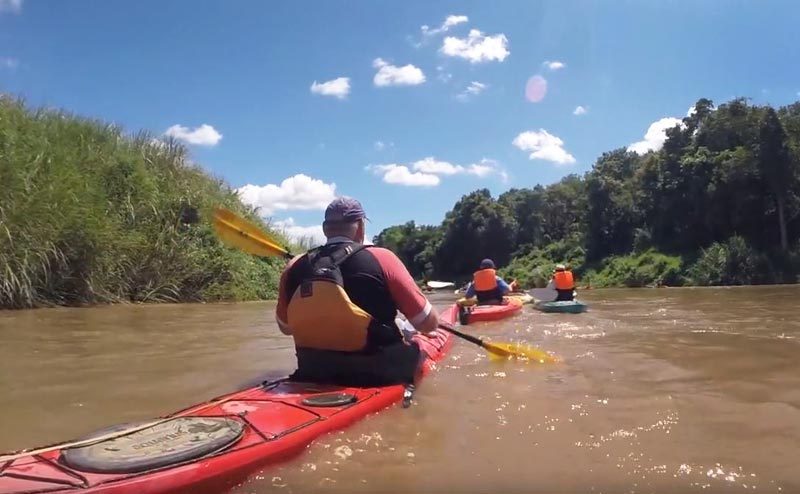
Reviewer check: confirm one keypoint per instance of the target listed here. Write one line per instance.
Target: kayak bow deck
(475, 313)
(209, 447)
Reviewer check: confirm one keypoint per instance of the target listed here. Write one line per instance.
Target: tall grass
(91, 215)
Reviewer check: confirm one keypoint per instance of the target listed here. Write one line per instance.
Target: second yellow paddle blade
(238, 232)
(503, 351)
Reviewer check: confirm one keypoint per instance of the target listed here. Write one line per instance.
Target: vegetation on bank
(90, 215)
(718, 204)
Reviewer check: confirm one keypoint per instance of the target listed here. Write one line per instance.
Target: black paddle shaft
(467, 337)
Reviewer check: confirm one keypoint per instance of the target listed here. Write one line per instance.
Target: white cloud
(544, 146)
(311, 236)
(655, 136)
(580, 110)
(401, 175)
(450, 21)
(477, 47)
(299, 192)
(431, 165)
(427, 171)
(485, 168)
(475, 88)
(380, 145)
(8, 63)
(339, 87)
(205, 135)
(454, 20)
(391, 75)
(554, 65)
(13, 6)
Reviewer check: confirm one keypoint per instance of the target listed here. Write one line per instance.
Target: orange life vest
(484, 280)
(564, 280)
(321, 314)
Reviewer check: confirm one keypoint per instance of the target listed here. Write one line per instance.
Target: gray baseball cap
(345, 209)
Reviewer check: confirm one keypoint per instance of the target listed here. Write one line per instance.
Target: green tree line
(719, 203)
(90, 215)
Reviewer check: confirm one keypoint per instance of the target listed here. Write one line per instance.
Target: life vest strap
(337, 257)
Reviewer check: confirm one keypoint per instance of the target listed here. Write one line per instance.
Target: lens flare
(535, 89)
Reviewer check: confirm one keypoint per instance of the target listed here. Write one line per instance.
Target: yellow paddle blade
(238, 232)
(504, 351)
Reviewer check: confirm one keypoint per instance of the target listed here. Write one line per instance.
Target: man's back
(374, 279)
(376, 282)
(340, 307)
(363, 279)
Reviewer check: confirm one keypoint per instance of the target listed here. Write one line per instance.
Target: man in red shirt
(340, 303)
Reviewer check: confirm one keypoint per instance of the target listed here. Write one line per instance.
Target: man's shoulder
(377, 248)
(386, 259)
(378, 252)
(294, 262)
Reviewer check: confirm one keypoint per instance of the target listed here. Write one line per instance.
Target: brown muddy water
(660, 390)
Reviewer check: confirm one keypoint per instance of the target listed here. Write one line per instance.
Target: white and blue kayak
(545, 301)
(568, 306)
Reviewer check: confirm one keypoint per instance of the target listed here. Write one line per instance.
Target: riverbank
(731, 263)
(722, 264)
(90, 215)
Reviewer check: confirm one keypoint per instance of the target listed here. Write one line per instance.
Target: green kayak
(571, 306)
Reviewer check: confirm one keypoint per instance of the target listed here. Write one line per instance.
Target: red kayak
(210, 447)
(475, 313)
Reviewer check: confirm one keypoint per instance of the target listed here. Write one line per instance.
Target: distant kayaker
(563, 282)
(487, 286)
(340, 303)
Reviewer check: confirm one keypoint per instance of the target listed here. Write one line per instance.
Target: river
(660, 390)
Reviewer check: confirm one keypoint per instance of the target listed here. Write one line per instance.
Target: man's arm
(281, 308)
(427, 321)
(501, 283)
(470, 291)
(283, 327)
(410, 300)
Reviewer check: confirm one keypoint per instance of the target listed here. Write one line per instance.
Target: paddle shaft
(458, 333)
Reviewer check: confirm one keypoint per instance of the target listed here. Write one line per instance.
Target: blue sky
(297, 101)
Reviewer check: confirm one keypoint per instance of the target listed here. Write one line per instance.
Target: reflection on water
(661, 390)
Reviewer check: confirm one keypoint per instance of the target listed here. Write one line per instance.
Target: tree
(526, 206)
(563, 209)
(612, 215)
(476, 228)
(776, 165)
(412, 244)
(702, 109)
